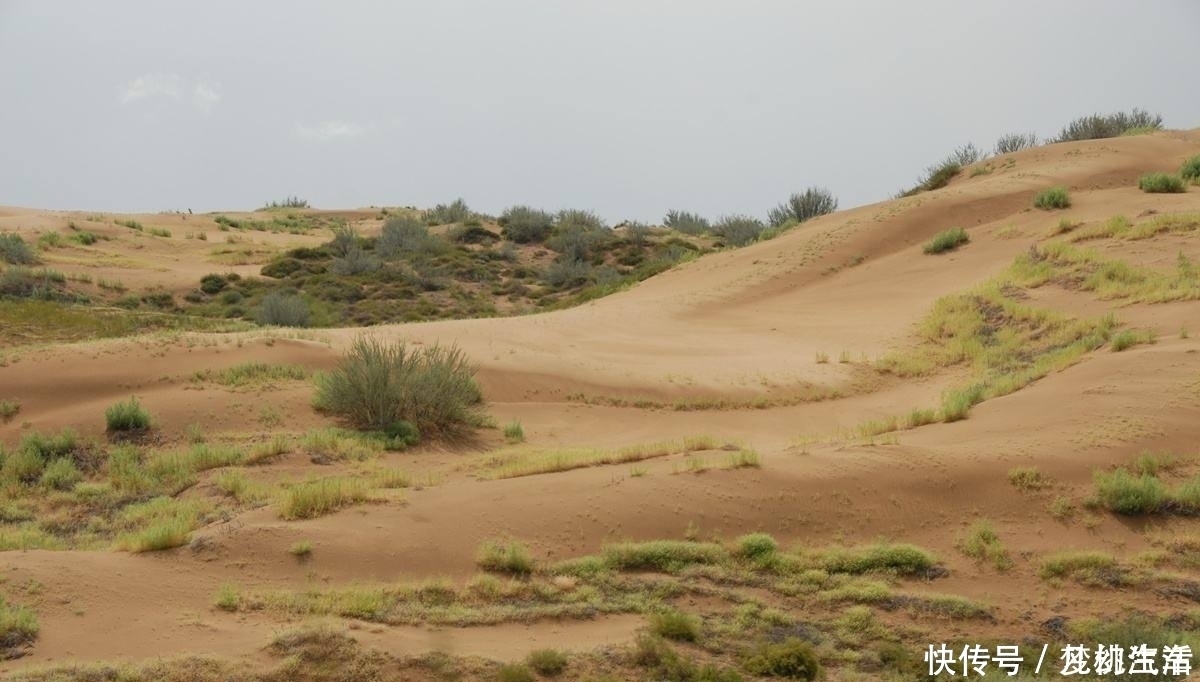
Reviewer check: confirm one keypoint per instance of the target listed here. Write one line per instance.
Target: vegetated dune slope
(771, 345)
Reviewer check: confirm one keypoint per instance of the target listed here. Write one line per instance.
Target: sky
(625, 107)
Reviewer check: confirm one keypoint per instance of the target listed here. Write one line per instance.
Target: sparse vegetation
(1027, 478)
(509, 557)
(18, 629)
(9, 409)
(1052, 198)
(126, 416)
(1128, 338)
(792, 659)
(947, 240)
(547, 662)
(1161, 183)
(676, 625)
(983, 545)
(1121, 492)
(1098, 126)
(804, 206)
(1015, 142)
(513, 432)
(322, 496)
(14, 250)
(283, 310)
(378, 384)
(1191, 169)
(301, 550)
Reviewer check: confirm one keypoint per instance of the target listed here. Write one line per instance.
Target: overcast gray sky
(626, 107)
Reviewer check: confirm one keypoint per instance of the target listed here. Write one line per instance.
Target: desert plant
(228, 597)
(1191, 169)
(444, 214)
(377, 384)
(756, 546)
(802, 206)
(127, 415)
(283, 309)
(61, 474)
(1161, 183)
(687, 223)
(403, 235)
(14, 250)
(323, 496)
(547, 661)
(1054, 197)
(514, 432)
(1027, 478)
(568, 272)
(676, 625)
(738, 230)
(509, 557)
(947, 240)
(514, 672)
(18, 627)
(525, 225)
(792, 659)
(288, 202)
(1015, 142)
(301, 550)
(9, 409)
(982, 544)
(1098, 126)
(1121, 492)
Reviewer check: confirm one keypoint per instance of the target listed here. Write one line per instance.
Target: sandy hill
(828, 359)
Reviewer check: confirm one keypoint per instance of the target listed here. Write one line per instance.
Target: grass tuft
(1161, 183)
(1052, 198)
(509, 557)
(126, 416)
(676, 625)
(947, 240)
(311, 499)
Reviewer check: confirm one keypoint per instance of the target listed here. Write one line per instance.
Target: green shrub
(1161, 183)
(947, 240)
(898, 558)
(14, 250)
(1123, 493)
(228, 597)
(525, 225)
(756, 546)
(377, 384)
(661, 555)
(505, 557)
(514, 672)
(809, 204)
(61, 474)
(564, 273)
(957, 403)
(676, 625)
(9, 409)
(981, 543)
(792, 659)
(23, 466)
(1098, 126)
(401, 434)
(738, 230)
(18, 627)
(1191, 169)
(1128, 338)
(1015, 142)
(283, 310)
(687, 223)
(212, 284)
(127, 415)
(514, 432)
(1052, 198)
(311, 499)
(402, 236)
(444, 214)
(547, 661)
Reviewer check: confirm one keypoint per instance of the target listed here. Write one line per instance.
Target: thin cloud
(152, 85)
(329, 130)
(206, 95)
(172, 87)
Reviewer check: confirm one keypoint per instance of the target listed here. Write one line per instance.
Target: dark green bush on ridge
(803, 206)
(1015, 142)
(792, 659)
(525, 225)
(1099, 126)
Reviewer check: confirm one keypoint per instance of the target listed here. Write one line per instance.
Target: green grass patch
(526, 462)
(982, 544)
(667, 556)
(513, 432)
(676, 625)
(257, 374)
(899, 559)
(509, 557)
(1052, 198)
(310, 499)
(1124, 493)
(1161, 183)
(125, 416)
(947, 240)
(18, 628)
